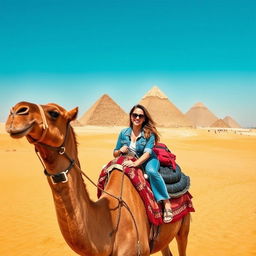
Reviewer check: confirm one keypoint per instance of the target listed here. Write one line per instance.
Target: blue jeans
(156, 181)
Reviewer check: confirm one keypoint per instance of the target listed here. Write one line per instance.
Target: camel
(101, 228)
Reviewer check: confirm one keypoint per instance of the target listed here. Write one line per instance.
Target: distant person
(139, 139)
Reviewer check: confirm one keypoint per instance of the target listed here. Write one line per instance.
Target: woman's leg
(158, 187)
(156, 180)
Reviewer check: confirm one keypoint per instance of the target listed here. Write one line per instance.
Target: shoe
(168, 216)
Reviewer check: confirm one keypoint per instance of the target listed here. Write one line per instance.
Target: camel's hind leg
(166, 251)
(182, 235)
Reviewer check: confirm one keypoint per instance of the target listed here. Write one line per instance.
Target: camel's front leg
(166, 251)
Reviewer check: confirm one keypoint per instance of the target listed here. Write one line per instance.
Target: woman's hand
(129, 163)
(124, 149)
(138, 162)
(121, 151)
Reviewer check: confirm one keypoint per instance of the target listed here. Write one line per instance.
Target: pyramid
(200, 115)
(231, 122)
(104, 112)
(162, 110)
(155, 92)
(76, 123)
(220, 123)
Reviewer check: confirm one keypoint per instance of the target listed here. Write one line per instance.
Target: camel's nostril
(22, 111)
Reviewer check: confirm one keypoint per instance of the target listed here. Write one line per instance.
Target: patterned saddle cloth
(180, 206)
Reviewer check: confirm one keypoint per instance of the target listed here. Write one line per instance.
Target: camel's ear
(72, 114)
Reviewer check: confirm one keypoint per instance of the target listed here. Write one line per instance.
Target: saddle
(180, 205)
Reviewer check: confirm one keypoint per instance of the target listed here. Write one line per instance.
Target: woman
(140, 138)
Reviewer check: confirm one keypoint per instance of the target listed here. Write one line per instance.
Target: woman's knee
(152, 172)
(152, 167)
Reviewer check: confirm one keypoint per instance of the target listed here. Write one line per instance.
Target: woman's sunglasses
(134, 115)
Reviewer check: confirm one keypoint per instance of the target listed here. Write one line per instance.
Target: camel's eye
(23, 111)
(54, 114)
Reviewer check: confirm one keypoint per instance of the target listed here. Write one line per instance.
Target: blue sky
(72, 52)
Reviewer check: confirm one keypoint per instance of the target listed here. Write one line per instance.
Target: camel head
(44, 123)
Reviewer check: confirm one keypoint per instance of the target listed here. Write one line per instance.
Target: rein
(61, 177)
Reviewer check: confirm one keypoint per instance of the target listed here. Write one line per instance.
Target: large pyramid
(220, 123)
(231, 122)
(163, 111)
(200, 115)
(105, 112)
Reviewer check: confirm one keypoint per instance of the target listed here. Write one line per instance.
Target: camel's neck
(78, 216)
(74, 210)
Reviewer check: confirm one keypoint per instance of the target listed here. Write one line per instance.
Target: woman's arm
(146, 155)
(142, 159)
(150, 144)
(120, 148)
(119, 152)
(138, 162)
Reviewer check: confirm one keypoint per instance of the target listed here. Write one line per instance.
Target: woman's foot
(168, 215)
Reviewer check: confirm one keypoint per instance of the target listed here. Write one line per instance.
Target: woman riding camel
(139, 139)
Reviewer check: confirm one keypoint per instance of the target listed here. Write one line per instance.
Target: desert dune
(222, 168)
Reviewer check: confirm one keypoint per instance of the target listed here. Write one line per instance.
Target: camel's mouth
(19, 133)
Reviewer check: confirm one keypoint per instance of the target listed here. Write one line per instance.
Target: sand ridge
(221, 166)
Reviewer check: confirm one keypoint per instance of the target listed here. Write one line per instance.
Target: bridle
(62, 177)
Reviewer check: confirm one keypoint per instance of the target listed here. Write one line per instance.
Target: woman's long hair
(148, 126)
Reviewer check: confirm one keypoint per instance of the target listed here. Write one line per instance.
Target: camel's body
(88, 227)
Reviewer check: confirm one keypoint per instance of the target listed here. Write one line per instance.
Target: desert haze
(222, 168)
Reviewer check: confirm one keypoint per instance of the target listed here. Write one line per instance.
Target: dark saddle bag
(176, 181)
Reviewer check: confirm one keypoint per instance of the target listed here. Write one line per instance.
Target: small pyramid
(220, 123)
(200, 115)
(162, 110)
(231, 122)
(105, 112)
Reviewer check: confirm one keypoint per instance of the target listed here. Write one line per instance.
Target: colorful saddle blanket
(180, 206)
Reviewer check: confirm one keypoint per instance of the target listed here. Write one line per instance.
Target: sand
(222, 168)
